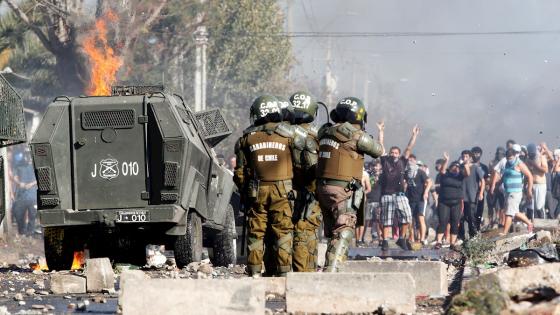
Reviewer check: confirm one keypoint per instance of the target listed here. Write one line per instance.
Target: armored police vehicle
(12, 130)
(115, 173)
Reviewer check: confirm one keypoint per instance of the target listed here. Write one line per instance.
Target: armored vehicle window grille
(2, 207)
(12, 121)
(49, 201)
(170, 176)
(44, 182)
(110, 118)
(212, 123)
(169, 197)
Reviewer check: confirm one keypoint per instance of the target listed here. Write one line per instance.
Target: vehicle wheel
(58, 253)
(188, 247)
(225, 242)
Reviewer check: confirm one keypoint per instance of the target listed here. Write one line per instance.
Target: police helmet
(350, 109)
(286, 108)
(265, 109)
(305, 107)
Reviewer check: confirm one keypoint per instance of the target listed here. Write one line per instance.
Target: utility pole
(366, 91)
(330, 80)
(201, 43)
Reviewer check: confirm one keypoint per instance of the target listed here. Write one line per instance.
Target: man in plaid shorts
(393, 198)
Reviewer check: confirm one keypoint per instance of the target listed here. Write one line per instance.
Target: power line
(408, 34)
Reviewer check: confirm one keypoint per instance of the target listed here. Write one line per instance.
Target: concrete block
(510, 242)
(321, 252)
(350, 292)
(546, 224)
(99, 274)
(130, 275)
(63, 283)
(274, 285)
(430, 277)
(193, 296)
(513, 281)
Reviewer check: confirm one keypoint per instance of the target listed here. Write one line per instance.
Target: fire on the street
(78, 261)
(104, 62)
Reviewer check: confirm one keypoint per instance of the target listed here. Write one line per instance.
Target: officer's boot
(338, 249)
(284, 251)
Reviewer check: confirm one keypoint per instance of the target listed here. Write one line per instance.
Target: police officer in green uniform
(307, 214)
(264, 172)
(339, 172)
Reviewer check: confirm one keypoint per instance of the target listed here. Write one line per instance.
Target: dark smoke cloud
(462, 90)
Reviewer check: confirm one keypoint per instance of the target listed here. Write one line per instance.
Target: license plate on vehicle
(133, 216)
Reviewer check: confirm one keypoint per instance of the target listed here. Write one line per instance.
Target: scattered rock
(71, 306)
(18, 297)
(30, 291)
(99, 299)
(67, 297)
(109, 291)
(82, 306)
(206, 268)
(38, 306)
(99, 274)
(21, 303)
(67, 283)
(43, 292)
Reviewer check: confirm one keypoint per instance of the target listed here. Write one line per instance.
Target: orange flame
(102, 58)
(41, 264)
(79, 260)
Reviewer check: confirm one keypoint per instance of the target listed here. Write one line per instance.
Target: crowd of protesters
(464, 196)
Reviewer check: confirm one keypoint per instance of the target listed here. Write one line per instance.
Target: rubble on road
(99, 275)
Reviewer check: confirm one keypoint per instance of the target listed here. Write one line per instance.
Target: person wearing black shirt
(477, 155)
(450, 198)
(417, 192)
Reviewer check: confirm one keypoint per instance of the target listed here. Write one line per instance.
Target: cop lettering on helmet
(301, 101)
(351, 102)
(268, 108)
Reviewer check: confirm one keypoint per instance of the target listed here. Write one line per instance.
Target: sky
(463, 90)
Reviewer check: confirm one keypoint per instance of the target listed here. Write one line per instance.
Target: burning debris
(104, 62)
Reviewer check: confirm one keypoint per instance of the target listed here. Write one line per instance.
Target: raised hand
(446, 156)
(381, 125)
(415, 130)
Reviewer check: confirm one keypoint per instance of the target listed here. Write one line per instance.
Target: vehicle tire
(225, 242)
(58, 252)
(188, 247)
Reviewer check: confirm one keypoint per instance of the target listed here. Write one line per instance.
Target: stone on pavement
(546, 224)
(99, 274)
(510, 242)
(430, 277)
(130, 275)
(63, 283)
(515, 280)
(321, 252)
(349, 292)
(202, 296)
(274, 285)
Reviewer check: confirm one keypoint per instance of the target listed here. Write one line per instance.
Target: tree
(247, 52)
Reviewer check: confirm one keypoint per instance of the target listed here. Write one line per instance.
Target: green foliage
(246, 53)
(478, 249)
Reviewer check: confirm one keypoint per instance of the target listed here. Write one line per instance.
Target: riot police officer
(264, 171)
(339, 171)
(307, 214)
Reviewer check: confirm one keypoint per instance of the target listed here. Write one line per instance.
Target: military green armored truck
(115, 173)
